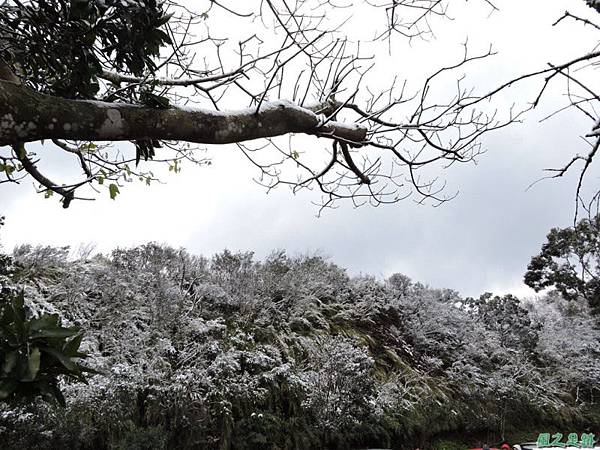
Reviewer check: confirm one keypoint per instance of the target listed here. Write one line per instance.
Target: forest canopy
(291, 352)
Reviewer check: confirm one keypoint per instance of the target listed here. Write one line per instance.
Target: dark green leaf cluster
(569, 262)
(593, 4)
(6, 268)
(35, 353)
(144, 148)
(59, 47)
(506, 316)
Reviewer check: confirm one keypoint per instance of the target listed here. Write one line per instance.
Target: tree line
(291, 353)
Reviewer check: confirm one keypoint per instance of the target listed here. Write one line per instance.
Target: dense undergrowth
(292, 353)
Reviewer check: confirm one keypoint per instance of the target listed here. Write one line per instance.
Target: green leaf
(155, 101)
(33, 364)
(50, 390)
(88, 147)
(55, 333)
(72, 346)
(58, 395)
(44, 322)
(7, 387)
(164, 19)
(10, 361)
(100, 179)
(18, 305)
(63, 359)
(114, 190)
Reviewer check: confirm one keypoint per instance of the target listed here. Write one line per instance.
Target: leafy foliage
(35, 352)
(569, 261)
(508, 318)
(63, 45)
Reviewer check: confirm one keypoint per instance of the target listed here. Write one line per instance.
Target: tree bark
(26, 115)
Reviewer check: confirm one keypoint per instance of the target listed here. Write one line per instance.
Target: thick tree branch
(26, 116)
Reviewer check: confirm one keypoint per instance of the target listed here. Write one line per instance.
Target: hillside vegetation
(292, 353)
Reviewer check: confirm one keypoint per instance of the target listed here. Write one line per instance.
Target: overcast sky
(481, 241)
